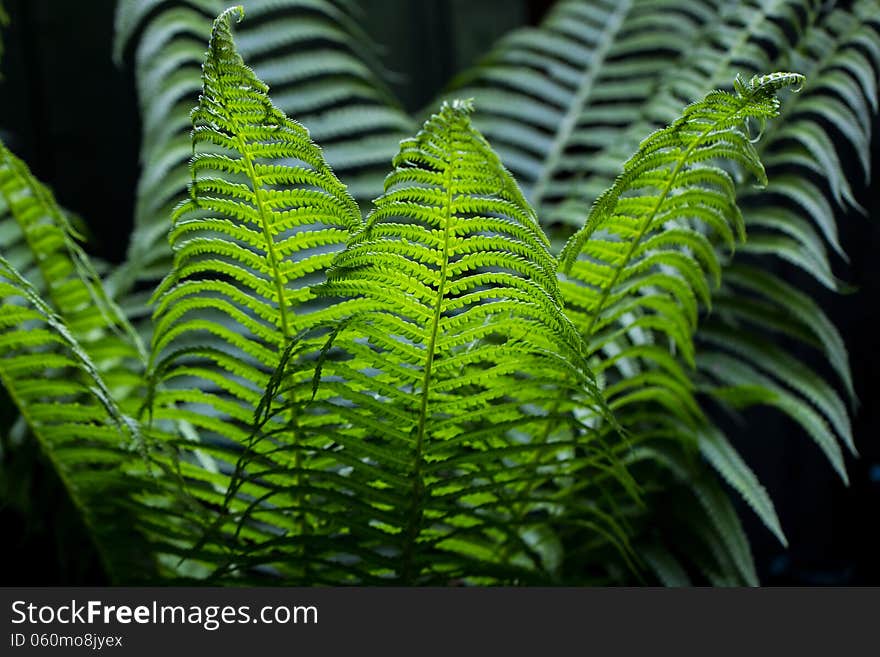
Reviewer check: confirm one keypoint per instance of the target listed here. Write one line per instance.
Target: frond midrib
(572, 115)
(418, 484)
(265, 223)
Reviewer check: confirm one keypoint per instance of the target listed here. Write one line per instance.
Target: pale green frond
(38, 240)
(779, 307)
(651, 228)
(741, 384)
(570, 85)
(264, 216)
(321, 67)
(79, 394)
(700, 520)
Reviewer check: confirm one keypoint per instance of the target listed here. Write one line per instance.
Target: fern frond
(721, 455)
(314, 55)
(825, 125)
(835, 50)
(264, 217)
(638, 253)
(698, 519)
(638, 271)
(830, 122)
(58, 389)
(67, 356)
(438, 414)
(38, 240)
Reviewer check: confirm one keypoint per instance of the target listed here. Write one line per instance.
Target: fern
(67, 356)
(312, 52)
(640, 265)
(458, 304)
(836, 47)
(420, 396)
(435, 392)
(264, 216)
(664, 187)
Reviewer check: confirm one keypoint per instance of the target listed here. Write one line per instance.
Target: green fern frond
(700, 520)
(67, 356)
(819, 128)
(638, 271)
(321, 66)
(628, 258)
(264, 218)
(835, 50)
(68, 406)
(721, 455)
(442, 415)
(40, 246)
(38, 240)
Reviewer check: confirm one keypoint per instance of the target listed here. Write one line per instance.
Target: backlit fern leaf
(641, 265)
(322, 69)
(836, 45)
(37, 240)
(636, 230)
(442, 416)
(837, 49)
(66, 357)
(264, 216)
(418, 408)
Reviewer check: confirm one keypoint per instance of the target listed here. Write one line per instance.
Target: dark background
(72, 115)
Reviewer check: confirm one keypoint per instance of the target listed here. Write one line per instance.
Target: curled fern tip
(463, 105)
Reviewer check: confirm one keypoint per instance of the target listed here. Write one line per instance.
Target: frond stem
(585, 87)
(418, 486)
(267, 233)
